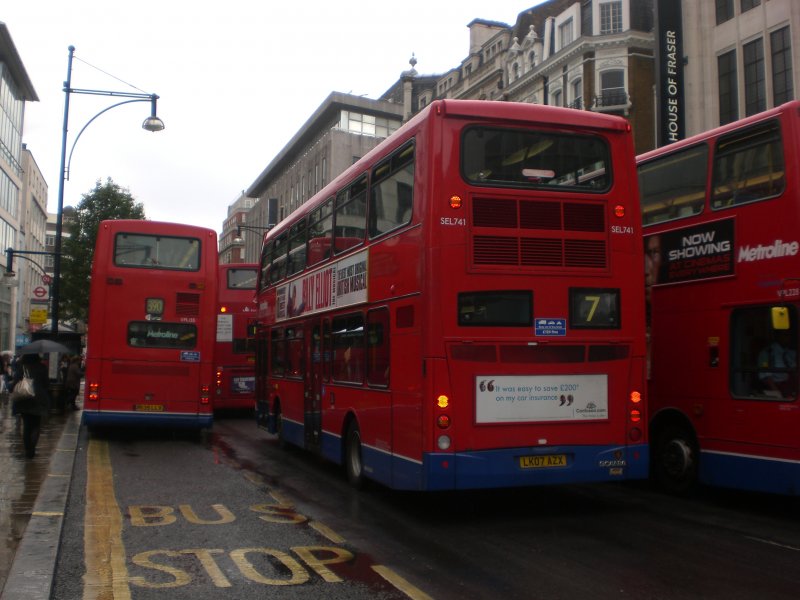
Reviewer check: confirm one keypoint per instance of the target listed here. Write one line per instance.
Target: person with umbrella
(32, 409)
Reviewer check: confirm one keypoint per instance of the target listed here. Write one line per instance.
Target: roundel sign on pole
(39, 292)
(46, 279)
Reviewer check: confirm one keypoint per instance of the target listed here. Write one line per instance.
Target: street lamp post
(151, 123)
(239, 240)
(239, 228)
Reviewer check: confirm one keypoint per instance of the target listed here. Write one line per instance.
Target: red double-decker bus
(721, 213)
(464, 306)
(234, 350)
(150, 346)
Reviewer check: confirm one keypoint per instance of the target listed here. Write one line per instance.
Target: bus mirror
(780, 317)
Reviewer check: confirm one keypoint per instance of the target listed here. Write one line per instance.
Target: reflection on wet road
(20, 478)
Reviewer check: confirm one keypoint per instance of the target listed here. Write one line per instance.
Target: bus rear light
(619, 211)
(443, 442)
(443, 421)
(635, 434)
(636, 397)
(94, 392)
(455, 201)
(204, 395)
(442, 401)
(636, 415)
(223, 309)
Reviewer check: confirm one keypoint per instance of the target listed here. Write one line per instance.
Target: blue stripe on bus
(487, 468)
(748, 472)
(137, 419)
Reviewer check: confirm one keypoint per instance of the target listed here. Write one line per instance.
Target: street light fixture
(240, 240)
(151, 123)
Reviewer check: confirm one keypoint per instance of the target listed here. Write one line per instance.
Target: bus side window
(348, 348)
(378, 347)
(278, 354)
(297, 247)
(295, 354)
(320, 233)
(351, 216)
(748, 166)
(763, 357)
(392, 193)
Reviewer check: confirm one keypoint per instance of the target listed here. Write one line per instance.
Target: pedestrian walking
(72, 381)
(32, 405)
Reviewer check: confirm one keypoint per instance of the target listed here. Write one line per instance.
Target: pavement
(33, 499)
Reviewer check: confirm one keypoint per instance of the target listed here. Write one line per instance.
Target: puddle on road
(20, 478)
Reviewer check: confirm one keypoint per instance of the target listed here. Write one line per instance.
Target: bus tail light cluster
(635, 414)
(218, 380)
(205, 396)
(443, 422)
(94, 392)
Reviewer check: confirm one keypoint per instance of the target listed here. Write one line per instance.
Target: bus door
(313, 386)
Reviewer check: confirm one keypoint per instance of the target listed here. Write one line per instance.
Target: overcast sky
(236, 80)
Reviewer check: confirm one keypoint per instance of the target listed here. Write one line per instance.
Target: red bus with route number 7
(464, 306)
(152, 307)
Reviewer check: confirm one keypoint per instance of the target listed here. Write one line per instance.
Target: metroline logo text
(778, 249)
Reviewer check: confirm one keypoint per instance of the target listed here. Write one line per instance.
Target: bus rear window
(156, 252)
(158, 334)
(495, 309)
(242, 279)
(535, 159)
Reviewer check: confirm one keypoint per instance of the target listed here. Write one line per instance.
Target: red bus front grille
(570, 234)
(187, 305)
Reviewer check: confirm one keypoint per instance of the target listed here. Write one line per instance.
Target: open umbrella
(44, 347)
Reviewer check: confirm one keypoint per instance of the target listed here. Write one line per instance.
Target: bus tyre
(353, 466)
(675, 458)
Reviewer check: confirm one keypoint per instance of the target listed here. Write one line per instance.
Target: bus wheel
(675, 459)
(353, 466)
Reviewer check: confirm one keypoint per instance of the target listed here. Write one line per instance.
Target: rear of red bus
(234, 349)
(532, 309)
(151, 325)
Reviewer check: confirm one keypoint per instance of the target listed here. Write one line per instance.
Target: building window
(750, 4)
(556, 98)
(612, 85)
(611, 17)
(724, 10)
(565, 34)
(728, 96)
(755, 99)
(577, 94)
(781, 47)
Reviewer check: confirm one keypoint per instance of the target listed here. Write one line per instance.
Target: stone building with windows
(16, 89)
(741, 57)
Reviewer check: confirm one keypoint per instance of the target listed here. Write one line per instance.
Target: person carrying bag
(30, 399)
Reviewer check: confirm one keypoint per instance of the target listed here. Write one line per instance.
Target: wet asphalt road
(232, 515)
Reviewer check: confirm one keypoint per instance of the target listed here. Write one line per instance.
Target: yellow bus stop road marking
(106, 572)
(400, 583)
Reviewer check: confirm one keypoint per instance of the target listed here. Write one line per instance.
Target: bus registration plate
(543, 461)
(149, 407)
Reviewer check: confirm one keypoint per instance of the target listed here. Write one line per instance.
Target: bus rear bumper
(93, 418)
(515, 467)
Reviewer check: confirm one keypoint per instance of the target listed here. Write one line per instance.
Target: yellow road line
(106, 576)
(401, 584)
